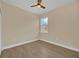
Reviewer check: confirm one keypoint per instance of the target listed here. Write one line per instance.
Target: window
(44, 25)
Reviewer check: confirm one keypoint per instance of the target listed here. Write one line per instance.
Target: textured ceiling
(50, 4)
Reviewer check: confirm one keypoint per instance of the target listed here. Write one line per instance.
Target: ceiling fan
(39, 5)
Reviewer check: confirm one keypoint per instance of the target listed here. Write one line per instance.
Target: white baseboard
(65, 46)
(21, 43)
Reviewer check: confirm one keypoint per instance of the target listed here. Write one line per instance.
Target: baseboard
(64, 46)
(22, 43)
(15, 45)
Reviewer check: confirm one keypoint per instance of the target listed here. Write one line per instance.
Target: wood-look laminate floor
(39, 49)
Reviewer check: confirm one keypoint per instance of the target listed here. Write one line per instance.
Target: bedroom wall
(18, 26)
(0, 26)
(63, 26)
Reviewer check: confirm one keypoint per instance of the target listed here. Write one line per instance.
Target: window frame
(42, 26)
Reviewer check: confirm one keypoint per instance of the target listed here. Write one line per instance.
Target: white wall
(0, 33)
(21, 26)
(0, 26)
(63, 26)
(18, 26)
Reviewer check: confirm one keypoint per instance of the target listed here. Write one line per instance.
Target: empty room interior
(39, 28)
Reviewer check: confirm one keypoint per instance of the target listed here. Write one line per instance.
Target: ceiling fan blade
(42, 6)
(39, 4)
(34, 5)
(39, 1)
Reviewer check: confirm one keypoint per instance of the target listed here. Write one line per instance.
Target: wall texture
(18, 25)
(63, 26)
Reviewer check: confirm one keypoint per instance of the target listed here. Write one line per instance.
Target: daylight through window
(44, 25)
